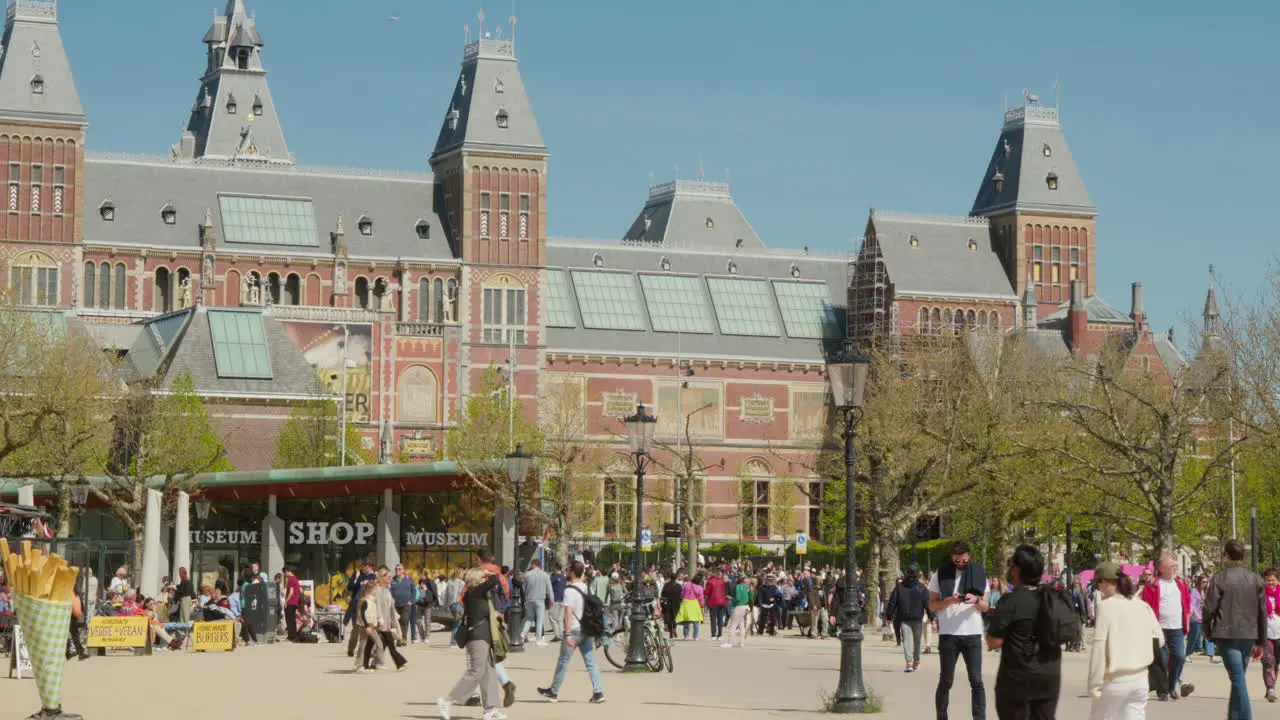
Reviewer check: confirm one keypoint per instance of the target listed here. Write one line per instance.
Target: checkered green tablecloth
(45, 627)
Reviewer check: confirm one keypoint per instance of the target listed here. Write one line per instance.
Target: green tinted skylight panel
(806, 310)
(744, 307)
(608, 300)
(676, 304)
(239, 345)
(559, 306)
(268, 221)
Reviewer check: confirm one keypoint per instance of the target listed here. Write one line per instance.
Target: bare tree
(572, 464)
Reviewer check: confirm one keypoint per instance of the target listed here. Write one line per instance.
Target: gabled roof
(33, 46)
(215, 130)
(936, 255)
(694, 215)
(490, 109)
(1030, 152)
(1097, 311)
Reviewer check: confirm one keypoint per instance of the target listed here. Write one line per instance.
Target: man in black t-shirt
(1030, 675)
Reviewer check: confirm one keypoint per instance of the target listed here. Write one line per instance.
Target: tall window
(504, 213)
(755, 508)
(816, 490)
(15, 181)
(293, 290)
(362, 292)
(484, 214)
(619, 508)
(924, 322)
(524, 216)
(163, 299)
(104, 285)
(33, 280)
(59, 177)
(424, 300)
(438, 287)
(504, 314)
(37, 178)
(451, 301)
(120, 287)
(90, 273)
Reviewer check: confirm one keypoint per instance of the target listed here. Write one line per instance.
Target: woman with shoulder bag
(474, 634)
(366, 624)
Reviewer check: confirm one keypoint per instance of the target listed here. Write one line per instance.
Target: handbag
(499, 643)
(1157, 673)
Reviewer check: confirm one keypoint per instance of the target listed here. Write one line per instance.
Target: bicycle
(657, 646)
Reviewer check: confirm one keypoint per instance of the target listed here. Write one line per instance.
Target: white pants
(1125, 700)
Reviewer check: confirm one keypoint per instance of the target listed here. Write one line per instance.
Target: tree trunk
(870, 575)
(64, 510)
(691, 552)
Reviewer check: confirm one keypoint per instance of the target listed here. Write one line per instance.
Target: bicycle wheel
(652, 650)
(666, 658)
(615, 648)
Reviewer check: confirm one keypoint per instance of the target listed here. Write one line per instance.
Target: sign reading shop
(338, 533)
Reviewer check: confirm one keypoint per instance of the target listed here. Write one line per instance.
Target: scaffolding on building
(871, 307)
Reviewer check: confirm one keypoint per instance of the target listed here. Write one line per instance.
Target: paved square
(776, 677)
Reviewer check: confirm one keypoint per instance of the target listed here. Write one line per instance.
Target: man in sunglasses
(958, 594)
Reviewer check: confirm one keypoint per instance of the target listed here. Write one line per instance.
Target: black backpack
(592, 620)
(1057, 622)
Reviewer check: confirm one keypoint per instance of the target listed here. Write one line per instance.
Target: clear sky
(818, 109)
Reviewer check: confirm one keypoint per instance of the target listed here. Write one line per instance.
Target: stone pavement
(774, 677)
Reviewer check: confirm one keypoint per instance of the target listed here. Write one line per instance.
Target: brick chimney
(1077, 317)
(1135, 309)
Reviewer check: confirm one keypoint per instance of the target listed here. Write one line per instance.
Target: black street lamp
(640, 434)
(848, 375)
(202, 503)
(518, 464)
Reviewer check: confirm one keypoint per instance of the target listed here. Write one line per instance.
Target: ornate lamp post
(848, 376)
(640, 434)
(202, 503)
(519, 463)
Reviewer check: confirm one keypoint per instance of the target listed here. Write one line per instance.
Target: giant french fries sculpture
(43, 587)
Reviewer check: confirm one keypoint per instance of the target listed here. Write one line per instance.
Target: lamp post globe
(202, 505)
(848, 375)
(519, 463)
(640, 429)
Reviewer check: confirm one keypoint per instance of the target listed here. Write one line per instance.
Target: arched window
(440, 300)
(935, 324)
(313, 289)
(293, 290)
(184, 293)
(756, 482)
(971, 319)
(33, 280)
(380, 291)
(424, 300)
(162, 300)
(120, 303)
(995, 321)
(1075, 236)
(1027, 232)
(1039, 235)
(947, 320)
(451, 302)
(273, 288)
(231, 290)
(90, 286)
(104, 285)
(362, 292)
(1057, 235)
(924, 321)
(417, 396)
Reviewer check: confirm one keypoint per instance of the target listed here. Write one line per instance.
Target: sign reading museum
(338, 533)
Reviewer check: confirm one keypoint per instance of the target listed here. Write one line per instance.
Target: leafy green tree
(572, 465)
(487, 427)
(311, 438)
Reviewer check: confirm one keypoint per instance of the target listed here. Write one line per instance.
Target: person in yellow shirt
(1122, 648)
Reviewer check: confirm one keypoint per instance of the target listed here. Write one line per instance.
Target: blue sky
(818, 109)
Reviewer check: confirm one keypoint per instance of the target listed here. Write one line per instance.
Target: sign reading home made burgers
(213, 635)
(337, 533)
(119, 632)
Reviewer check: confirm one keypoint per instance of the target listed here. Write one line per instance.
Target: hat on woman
(1107, 571)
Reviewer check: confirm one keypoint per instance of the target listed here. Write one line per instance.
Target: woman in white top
(1122, 648)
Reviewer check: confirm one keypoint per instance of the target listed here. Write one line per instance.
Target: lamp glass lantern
(203, 504)
(80, 494)
(640, 430)
(519, 463)
(849, 379)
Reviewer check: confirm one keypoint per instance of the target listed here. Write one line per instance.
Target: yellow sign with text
(213, 635)
(119, 632)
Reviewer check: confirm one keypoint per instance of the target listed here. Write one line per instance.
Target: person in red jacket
(717, 593)
(1170, 599)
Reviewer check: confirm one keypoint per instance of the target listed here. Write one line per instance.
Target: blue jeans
(456, 610)
(1174, 655)
(719, 619)
(950, 649)
(536, 620)
(1235, 658)
(686, 625)
(1195, 638)
(586, 646)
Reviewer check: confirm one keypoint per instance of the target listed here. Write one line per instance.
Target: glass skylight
(608, 300)
(744, 307)
(268, 221)
(806, 309)
(676, 304)
(559, 304)
(239, 345)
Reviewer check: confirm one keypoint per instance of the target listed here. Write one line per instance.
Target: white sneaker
(442, 707)
(494, 714)
(542, 643)
(725, 644)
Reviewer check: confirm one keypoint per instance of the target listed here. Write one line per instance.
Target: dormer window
(665, 264)
(1048, 151)
(231, 104)
(795, 270)
(733, 268)
(504, 120)
(37, 85)
(597, 260)
(973, 245)
(452, 118)
(710, 223)
(913, 241)
(108, 211)
(169, 215)
(997, 180)
(423, 229)
(257, 106)
(1052, 180)
(365, 225)
(738, 243)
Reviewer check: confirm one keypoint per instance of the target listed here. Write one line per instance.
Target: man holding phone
(958, 594)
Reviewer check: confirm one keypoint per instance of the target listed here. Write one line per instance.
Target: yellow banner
(119, 632)
(213, 635)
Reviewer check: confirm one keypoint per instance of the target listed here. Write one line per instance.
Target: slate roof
(140, 187)
(1097, 310)
(1049, 342)
(755, 264)
(489, 85)
(694, 215)
(941, 262)
(1020, 158)
(1169, 354)
(181, 341)
(33, 46)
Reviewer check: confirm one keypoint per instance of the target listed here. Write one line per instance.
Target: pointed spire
(36, 83)
(1212, 318)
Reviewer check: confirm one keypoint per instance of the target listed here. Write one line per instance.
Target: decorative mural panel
(417, 394)
(699, 405)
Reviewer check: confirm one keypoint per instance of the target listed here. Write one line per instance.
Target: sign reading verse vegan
(118, 632)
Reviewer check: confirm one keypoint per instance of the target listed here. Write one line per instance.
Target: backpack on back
(1057, 622)
(592, 620)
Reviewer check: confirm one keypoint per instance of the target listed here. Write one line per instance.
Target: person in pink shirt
(692, 601)
(717, 594)
(293, 598)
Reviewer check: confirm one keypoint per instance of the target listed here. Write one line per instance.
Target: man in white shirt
(1170, 599)
(957, 593)
(575, 597)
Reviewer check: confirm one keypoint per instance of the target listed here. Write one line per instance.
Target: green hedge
(928, 554)
(661, 554)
